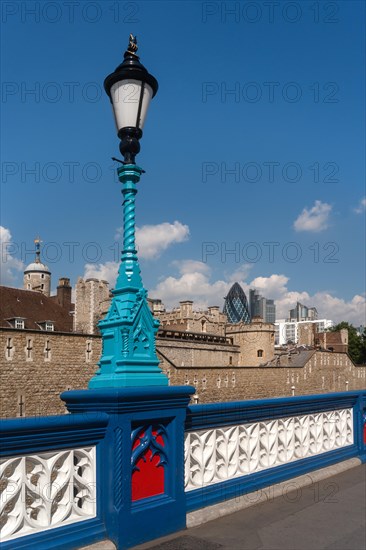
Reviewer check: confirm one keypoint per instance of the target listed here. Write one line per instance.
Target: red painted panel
(148, 480)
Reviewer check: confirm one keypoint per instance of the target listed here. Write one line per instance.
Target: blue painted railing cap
(129, 393)
(32, 424)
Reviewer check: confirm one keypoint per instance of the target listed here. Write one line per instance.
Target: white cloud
(314, 219)
(9, 265)
(328, 306)
(339, 309)
(196, 285)
(361, 206)
(191, 266)
(107, 272)
(152, 240)
(193, 283)
(240, 274)
(272, 287)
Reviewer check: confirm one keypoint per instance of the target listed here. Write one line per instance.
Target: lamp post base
(129, 380)
(140, 476)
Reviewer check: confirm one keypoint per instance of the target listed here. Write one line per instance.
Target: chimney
(186, 309)
(214, 311)
(64, 293)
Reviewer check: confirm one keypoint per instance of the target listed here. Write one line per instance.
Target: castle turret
(37, 276)
(92, 301)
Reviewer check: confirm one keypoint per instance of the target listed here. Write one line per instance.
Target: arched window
(260, 353)
(203, 324)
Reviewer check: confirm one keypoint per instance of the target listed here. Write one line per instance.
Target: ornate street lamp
(129, 329)
(130, 88)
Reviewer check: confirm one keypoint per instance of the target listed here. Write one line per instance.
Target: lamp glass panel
(125, 98)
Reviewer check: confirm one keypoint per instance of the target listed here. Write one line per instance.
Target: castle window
(42, 276)
(42, 286)
(29, 349)
(230, 360)
(28, 275)
(20, 405)
(88, 351)
(9, 348)
(203, 324)
(49, 325)
(47, 350)
(260, 353)
(19, 323)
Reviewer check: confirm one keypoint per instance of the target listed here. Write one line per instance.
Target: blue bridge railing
(129, 464)
(239, 447)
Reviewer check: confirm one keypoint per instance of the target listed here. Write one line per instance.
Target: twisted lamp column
(129, 328)
(129, 271)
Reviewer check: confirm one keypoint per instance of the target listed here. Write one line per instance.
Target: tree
(356, 342)
(363, 347)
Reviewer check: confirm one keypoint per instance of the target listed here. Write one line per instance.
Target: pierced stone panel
(219, 454)
(47, 490)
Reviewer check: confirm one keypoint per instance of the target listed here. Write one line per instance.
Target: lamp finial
(132, 45)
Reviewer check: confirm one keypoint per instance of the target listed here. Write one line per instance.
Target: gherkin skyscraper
(236, 305)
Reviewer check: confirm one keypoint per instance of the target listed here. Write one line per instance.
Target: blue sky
(254, 143)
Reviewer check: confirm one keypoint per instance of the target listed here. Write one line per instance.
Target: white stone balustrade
(219, 454)
(47, 490)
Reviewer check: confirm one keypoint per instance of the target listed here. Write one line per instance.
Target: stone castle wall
(36, 366)
(324, 373)
(184, 317)
(200, 354)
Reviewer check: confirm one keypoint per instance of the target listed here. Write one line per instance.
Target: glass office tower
(236, 305)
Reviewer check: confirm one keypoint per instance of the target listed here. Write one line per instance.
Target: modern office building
(236, 305)
(303, 313)
(262, 307)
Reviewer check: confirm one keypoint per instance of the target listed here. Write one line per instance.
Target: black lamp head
(130, 88)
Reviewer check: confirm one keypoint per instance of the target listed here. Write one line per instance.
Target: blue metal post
(129, 329)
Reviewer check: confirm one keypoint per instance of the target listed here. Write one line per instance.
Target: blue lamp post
(129, 329)
(140, 462)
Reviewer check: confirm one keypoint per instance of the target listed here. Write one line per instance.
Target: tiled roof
(34, 307)
(297, 358)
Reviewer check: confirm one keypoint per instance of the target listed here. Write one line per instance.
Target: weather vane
(132, 45)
